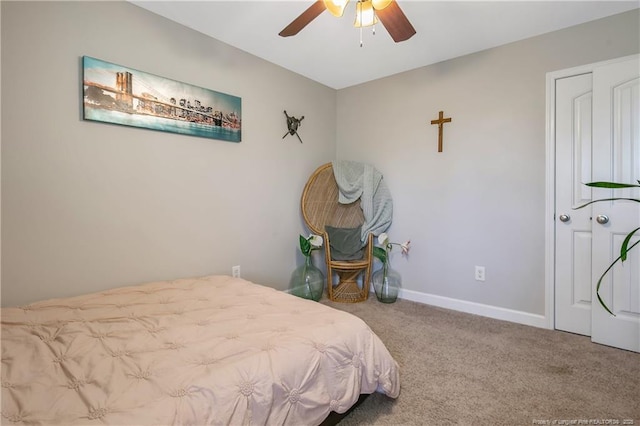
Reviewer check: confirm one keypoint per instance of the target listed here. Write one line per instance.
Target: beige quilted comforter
(214, 350)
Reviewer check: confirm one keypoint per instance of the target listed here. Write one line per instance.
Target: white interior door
(597, 138)
(616, 157)
(573, 227)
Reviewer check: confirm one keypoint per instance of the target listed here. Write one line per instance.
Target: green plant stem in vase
(387, 283)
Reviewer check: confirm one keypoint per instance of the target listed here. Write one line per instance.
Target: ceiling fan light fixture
(336, 7)
(368, 12)
(380, 4)
(365, 15)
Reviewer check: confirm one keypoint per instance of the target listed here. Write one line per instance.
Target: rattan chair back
(320, 207)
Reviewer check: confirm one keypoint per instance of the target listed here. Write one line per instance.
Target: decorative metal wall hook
(293, 124)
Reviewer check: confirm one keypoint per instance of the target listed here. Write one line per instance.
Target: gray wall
(88, 206)
(482, 200)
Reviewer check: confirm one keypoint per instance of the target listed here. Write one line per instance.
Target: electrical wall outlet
(235, 271)
(479, 273)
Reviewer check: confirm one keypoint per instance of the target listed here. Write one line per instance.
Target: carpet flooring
(463, 369)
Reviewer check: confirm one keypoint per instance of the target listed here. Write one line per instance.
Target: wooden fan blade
(304, 19)
(396, 22)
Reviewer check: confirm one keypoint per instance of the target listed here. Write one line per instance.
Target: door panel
(616, 156)
(625, 297)
(573, 237)
(626, 144)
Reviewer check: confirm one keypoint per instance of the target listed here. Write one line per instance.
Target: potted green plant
(626, 245)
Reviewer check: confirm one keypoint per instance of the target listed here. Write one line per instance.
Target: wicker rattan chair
(320, 208)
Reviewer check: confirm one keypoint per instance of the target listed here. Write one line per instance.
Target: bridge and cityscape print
(121, 95)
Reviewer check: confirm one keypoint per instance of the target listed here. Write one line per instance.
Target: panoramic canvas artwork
(120, 95)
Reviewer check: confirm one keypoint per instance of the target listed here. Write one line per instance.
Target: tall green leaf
(612, 185)
(607, 199)
(305, 246)
(624, 248)
(380, 253)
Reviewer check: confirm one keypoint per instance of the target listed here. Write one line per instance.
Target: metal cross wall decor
(440, 122)
(293, 124)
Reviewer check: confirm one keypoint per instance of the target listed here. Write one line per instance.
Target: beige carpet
(464, 369)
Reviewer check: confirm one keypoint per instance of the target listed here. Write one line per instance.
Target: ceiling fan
(367, 13)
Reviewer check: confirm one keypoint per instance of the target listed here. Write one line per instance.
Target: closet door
(616, 157)
(573, 106)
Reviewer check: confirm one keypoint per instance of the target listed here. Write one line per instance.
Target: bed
(213, 350)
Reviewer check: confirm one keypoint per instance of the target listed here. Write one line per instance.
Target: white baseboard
(475, 308)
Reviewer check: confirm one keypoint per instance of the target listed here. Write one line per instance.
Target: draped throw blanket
(358, 180)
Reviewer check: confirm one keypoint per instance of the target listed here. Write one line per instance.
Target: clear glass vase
(386, 283)
(307, 281)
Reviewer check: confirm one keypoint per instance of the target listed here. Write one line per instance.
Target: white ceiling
(328, 49)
